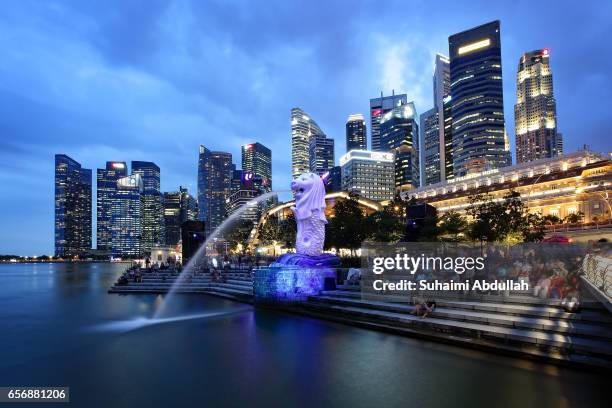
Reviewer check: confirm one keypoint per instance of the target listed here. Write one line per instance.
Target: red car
(558, 239)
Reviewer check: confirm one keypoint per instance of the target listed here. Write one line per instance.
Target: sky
(152, 80)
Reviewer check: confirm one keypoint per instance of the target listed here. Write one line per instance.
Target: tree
(239, 233)
(453, 223)
(574, 218)
(385, 225)
(507, 220)
(345, 229)
(551, 219)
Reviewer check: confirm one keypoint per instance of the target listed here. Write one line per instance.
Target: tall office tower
(559, 143)
(179, 206)
(399, 134)
(302, 129)
(251, 186)
(356, 134)
(448, 162)
(72, 207)
(368, 174)
(441, 87)
(257, 159)
(127, 217)
(431, 148)
(378, 107)
(107, 187)
(321, 153)
(535, 112)
(478, 100)
(214, 185)
(236, 179)
(334, 182)
(152, 216)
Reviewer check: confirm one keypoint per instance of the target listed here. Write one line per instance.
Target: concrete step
(547, 311)
(544, 324)
(242, 288)
(532, 338)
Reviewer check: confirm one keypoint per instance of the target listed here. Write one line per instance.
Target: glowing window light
(474, 46)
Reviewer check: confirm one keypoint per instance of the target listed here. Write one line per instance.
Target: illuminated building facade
(478, 129)
(378, 107)
(214, 186)
(302, 129)
(127, 217)
(152, 215)
(72, 207)
(368, 174)
(449, 172)
(399, 134)
(321, 154)
(106, 180)
(257, 159)
(356, 134)
(441, 87)
(431, 148)
(251, 186)
(559, 186)
(334, 183)
(179, 206)
(535, 112)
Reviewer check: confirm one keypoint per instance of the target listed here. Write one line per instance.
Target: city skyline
(172, 122)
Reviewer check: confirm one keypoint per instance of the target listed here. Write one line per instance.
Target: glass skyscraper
(535, 112)
(179, 206)
(479, 138)
(431, 148)
(257, 159)
(106, 188)
(127, 217)
(399, 134)
(302, 129)
(72, 207)
(152, 216)
(321, 153)
(378, 107)
(356, 135)
(214, 186)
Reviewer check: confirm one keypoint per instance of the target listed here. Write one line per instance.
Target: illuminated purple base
(293, 277)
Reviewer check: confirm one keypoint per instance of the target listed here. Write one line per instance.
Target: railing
(598, 270)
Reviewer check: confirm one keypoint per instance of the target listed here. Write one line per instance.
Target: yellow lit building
(562, 185)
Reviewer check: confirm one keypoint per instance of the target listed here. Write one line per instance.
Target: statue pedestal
(293, 278)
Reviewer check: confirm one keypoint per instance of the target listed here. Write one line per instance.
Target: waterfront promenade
(527, 327)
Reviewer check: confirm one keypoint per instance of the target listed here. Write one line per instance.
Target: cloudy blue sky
(151, 80)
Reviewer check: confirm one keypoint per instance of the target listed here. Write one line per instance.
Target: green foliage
(574, 218)
(239, 233)
(452, 223)
(346, 229)
(279, 231)
(504, 221)
(385, 225)
(551, 219)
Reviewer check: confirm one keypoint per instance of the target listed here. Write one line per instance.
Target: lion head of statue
(309, 192)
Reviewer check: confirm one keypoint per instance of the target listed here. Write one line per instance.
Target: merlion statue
(309, 212)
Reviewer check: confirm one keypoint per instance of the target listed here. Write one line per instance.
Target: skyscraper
(334, 183)
(448, 161)
(378, 107)
(214, 185)
(107, 187)
(477, 100)
(257, 159)
(535, 112)
(152, 211)
(127, 217)
(321, 153)
(399, 134)
(356, 135)
(251, 186)
(179, 206)
(431, 148)
(302, 129)
(442, 87)
(72, 207)
(368, 174)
